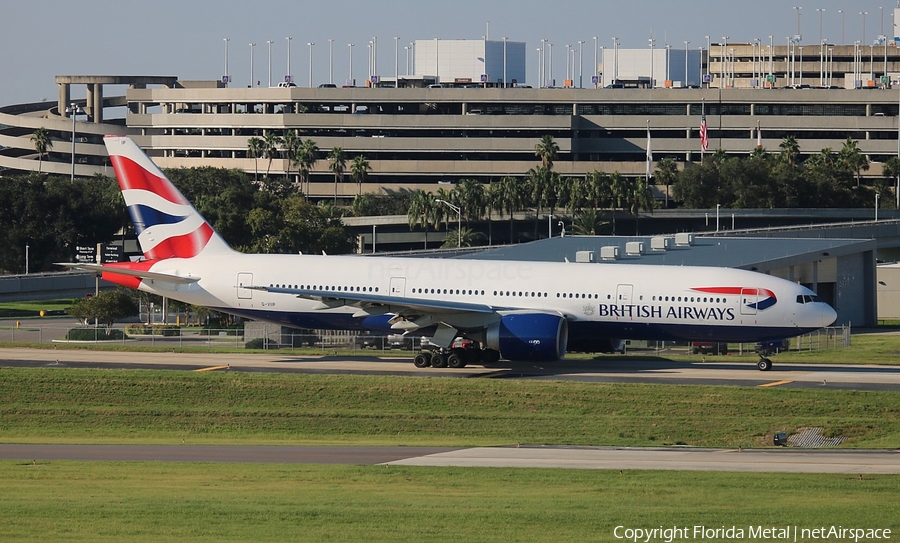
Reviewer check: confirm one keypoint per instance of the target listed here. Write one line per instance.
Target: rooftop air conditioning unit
(584, 256)
(610, 252)
(634, 248)
(660, 243)
(684, 239)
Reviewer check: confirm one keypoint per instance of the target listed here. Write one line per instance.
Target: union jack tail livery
(167, 225)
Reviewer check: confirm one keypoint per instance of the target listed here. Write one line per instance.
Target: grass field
(73, 501)
(155, 501)
(105, 406)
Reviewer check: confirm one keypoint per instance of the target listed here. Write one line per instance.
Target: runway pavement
(765, 460)
(624, 369)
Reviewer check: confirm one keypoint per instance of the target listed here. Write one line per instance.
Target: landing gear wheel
(764, 364)
(438, 361)
(422, 360)
(456, 361)
(490, 356)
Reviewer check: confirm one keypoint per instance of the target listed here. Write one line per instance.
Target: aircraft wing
(331, 299)
(131, 272)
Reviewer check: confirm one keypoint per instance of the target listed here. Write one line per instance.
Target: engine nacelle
(533, 337)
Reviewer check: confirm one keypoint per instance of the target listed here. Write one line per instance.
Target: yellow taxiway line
(212, 368)
(775, 384)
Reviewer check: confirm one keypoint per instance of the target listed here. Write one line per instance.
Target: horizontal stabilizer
(156, 276)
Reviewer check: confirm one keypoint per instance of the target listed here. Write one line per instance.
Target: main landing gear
(456, 357)
(764, 364)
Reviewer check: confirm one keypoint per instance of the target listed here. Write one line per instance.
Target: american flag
(704, 135)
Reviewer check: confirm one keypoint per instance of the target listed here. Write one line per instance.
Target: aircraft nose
(829, 315)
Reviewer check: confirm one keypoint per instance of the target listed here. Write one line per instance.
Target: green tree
(547, 150)
(640, 199)
(666, 174)
(359, 171)
(337, 163)
(42, 144)
(307, 157)
(790, 150)
(255, 149)
(106, 308)
(271, 143)
(292, 144)
(851, 158)
(421, 211)
(891, 172)
(466, 237)
(469, 195)
(588, 222)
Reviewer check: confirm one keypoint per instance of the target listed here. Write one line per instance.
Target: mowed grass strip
(144, 406)
(86, 501)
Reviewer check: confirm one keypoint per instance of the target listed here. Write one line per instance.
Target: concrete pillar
(98, 102)
(64, 99)
(89, 101)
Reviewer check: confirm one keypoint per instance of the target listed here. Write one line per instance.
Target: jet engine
(533, 337)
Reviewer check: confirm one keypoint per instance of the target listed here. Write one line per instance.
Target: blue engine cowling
(533, 337)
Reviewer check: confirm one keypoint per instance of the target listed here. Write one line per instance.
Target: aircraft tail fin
(167, 225)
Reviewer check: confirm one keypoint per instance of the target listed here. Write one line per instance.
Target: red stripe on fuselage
(736, 290)
(129, 281)
(186, 246)
(134, 177)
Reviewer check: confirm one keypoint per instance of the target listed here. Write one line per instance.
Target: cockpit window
(806, 298)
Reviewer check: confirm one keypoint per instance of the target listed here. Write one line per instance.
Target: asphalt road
(608, 369)
(768, 460)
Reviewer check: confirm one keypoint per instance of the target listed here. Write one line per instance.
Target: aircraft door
(244, 280)
(624, 294)
(398, 286)
(749, 298)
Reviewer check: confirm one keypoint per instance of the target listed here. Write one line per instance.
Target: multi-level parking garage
(421, 137)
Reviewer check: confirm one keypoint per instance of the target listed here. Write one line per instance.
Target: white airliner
(529, 311)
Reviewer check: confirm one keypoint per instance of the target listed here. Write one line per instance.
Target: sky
(40, 39)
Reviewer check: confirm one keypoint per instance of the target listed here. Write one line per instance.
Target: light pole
(717, 216)
(406, 48)
(580, 64)
(288, 77)
(252, 45)
(504, 60)
(26, 259)
(310, 44)
(396, 62)
(615, 60)
(686, 44)
(877, 196)
(458, 211)
(842, 26)
(269, 42)
(652, 43)
(707, 63)
(722, 60)
(73, 110)
(350, 81)
(821, 13)
(331, 61)
(568, 47)
(596, 65)
(550, 65)
(225, 77)
(864, 13)
(799, 36)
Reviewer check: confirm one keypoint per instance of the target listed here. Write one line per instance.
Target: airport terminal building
(451, 120)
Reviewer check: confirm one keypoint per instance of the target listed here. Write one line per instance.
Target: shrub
(95, 334)
(261, 343)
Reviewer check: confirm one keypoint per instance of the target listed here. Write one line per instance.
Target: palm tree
(337, 163)
(292, 144)
(42, 144)
(666, 174)
(469, 195)
(790, 150)
(271, 142)
(852, 159)
(306, 158)
(618, 186)
(547, 150)
(255, 148)
(511, 198)
(891, 171)
(587, 222)
(465, 238)
(359, 171)
(640, 199)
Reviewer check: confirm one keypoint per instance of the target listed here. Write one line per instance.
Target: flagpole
(649, 152)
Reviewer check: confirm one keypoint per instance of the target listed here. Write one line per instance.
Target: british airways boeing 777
(531, 311)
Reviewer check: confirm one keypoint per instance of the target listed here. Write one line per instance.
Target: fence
(274, 337)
